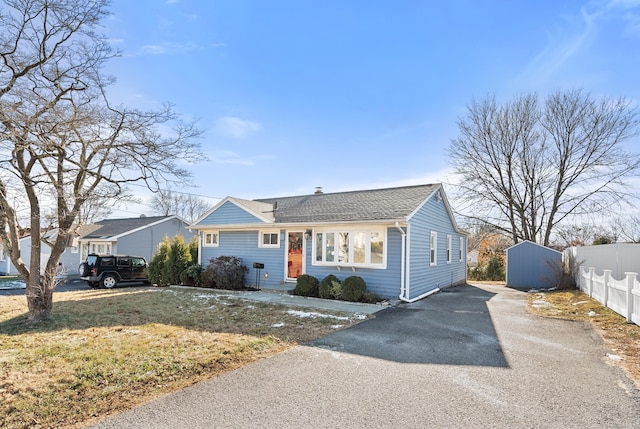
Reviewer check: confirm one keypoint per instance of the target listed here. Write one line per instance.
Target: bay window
(350, 247)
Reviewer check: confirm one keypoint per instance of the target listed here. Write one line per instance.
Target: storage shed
(531, 265)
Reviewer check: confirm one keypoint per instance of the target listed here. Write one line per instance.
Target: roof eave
(291, 225)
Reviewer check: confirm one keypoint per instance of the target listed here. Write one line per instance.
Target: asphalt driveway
(467, 357)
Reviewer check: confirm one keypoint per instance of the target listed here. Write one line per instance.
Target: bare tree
(627, 228)
(61, 142)
(577, 234)
(187, 206)
(524, 166)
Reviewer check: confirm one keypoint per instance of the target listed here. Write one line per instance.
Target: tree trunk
(39, 300)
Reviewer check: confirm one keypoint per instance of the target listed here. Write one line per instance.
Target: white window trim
(449, 250)
(261, 235)
(107, 246)
(433, 248)
(352, 232)
(461, 249)
(204, 238)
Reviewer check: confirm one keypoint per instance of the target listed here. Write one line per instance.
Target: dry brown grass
(106, 351)
(622, 338)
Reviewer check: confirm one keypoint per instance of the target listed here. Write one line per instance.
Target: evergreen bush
(353, 288)
(178, 260)
(157, 266)
(495, 269)
(306, 285)
(225, 272)
(327, 290)
(192, 275)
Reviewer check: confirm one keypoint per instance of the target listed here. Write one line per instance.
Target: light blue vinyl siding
(244, 244)
(229, 214)
(383, 282)
(530, 265)
(422, 277)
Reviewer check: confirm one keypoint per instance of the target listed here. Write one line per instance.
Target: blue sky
(354, 94)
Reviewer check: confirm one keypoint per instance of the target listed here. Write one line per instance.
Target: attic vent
(318, 190)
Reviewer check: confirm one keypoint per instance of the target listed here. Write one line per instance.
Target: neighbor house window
(211, 239)
(433, 248)
(350, 247)
(269, 239)
(461, 248)
(448, 249)
(101, 248)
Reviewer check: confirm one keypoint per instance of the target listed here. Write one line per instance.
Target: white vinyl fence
(622, 296)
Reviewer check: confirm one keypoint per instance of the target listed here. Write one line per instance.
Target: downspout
(402, 262)
(403, 288)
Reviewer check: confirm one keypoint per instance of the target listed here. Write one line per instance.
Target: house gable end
(233, 211)
(438, 195)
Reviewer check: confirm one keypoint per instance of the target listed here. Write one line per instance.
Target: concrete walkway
(468, 357)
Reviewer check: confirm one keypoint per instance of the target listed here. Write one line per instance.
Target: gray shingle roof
(112, 227)
(369, 205)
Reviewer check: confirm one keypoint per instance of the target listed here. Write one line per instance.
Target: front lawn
(105, 351)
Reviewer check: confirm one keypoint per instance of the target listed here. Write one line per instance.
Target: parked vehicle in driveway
(107, 271)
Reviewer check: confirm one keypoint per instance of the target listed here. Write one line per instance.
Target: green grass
(106, 351)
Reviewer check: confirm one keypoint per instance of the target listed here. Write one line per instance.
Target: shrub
(225, 272)
(353, 288)
(193, 249)
(371, 298)
(306, 285)
(178, 260)
(157, 266)
(192, 275)
(495, 269)
(327, 289)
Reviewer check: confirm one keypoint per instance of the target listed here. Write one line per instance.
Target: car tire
(108, 281)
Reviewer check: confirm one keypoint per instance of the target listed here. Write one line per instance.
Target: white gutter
(402, 263)
(424, 295)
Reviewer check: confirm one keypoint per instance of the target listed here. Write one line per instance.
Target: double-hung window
(269, 239)
(433, 248)
(211, 239)
(449, 256)
(461, 248)
(350, 247)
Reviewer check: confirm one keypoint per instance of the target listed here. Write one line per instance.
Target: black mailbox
(258, 265)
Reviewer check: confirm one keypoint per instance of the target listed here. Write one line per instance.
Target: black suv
(108, 270)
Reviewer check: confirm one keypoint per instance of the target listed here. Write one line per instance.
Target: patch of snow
(613, 357)
(592, 313)
(277, 325)
(314, 315)
(337, 326)
(580, 302)
(540, 303)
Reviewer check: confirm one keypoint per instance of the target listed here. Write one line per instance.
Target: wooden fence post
(631, 278)
(607, 277)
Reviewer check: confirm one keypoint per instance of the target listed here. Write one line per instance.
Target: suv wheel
(108, 281)
(83, 269)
